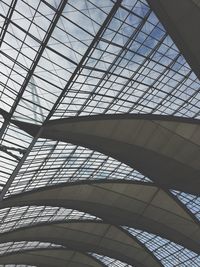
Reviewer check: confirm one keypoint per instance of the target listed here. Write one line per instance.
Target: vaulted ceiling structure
(100, 133)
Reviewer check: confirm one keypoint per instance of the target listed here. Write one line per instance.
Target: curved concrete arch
(88, 236)
(164, 148)
(134, 204)
(51, 257)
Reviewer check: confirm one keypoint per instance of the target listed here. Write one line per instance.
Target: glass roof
(110, 261)
(169, 253)
(16, 217)
(24, 245)
(63, 58)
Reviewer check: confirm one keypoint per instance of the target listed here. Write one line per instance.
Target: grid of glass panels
(24, 245)
(72, 58)
(51, 162)
(110, 261)
(169, 253)
(16, 217)
(192, 202)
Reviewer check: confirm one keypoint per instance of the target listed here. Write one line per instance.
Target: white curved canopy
(88, 236)
(135, 204)
(164, 148)
(50, 257)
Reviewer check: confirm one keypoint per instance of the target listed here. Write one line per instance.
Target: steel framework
(64, 59)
